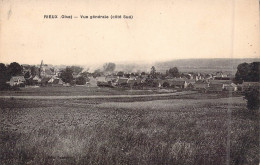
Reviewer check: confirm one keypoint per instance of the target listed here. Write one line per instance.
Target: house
(57, 82)
(230, 87)
(33, 80)
(36, 79)
(102, 82)
(45, 80)
(16, 81)
(218, 85)
(52, 79)
(111, 78)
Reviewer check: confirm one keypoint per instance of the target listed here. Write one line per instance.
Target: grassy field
(188, 130)
(76, 91)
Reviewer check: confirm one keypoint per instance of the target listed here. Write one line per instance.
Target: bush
(252, 97)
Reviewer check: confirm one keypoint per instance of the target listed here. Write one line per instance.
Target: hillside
(190, 65)
(204, 65)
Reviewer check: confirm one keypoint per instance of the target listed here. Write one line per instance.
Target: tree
(14, 69)
(76, 69)
(34, 71)
(166, 84)
(2, 67)
(81, 80)
(153, 72)
(173, 72)
(27, 75)
(252, 97)
(254, 72)
(97, 73)
(120, 73)
(247, 72)
(3, 77)
(66, 75)
(242, 72)
(85, 74)
(109, 67)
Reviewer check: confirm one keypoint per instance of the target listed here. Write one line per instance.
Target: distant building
(45, 80)
(111, 78)
(215, 87)
(57, 82)
(46, 71)
(230, 87)
(101, 79)
(201, 85)
(16, 80)
(178, 83)
(122, 81)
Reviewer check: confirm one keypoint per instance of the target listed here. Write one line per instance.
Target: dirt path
(100, 96)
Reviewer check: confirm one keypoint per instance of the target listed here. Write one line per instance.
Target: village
(44, 75)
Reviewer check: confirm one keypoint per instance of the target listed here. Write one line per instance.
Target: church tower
(41, 70)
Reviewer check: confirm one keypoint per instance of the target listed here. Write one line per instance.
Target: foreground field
(173, 131)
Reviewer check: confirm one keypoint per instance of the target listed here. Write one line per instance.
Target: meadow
(72, 91)
(183, 130)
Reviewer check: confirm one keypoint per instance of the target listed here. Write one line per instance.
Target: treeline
(7, 71)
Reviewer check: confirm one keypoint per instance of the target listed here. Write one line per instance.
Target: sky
(159, 31)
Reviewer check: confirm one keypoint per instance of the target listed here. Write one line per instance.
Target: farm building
(201, 85)
(16, 80)
(230, 87)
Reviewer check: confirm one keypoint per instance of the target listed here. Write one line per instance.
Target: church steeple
(41, 74)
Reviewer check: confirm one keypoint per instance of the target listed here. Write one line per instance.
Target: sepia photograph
(129, 82)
